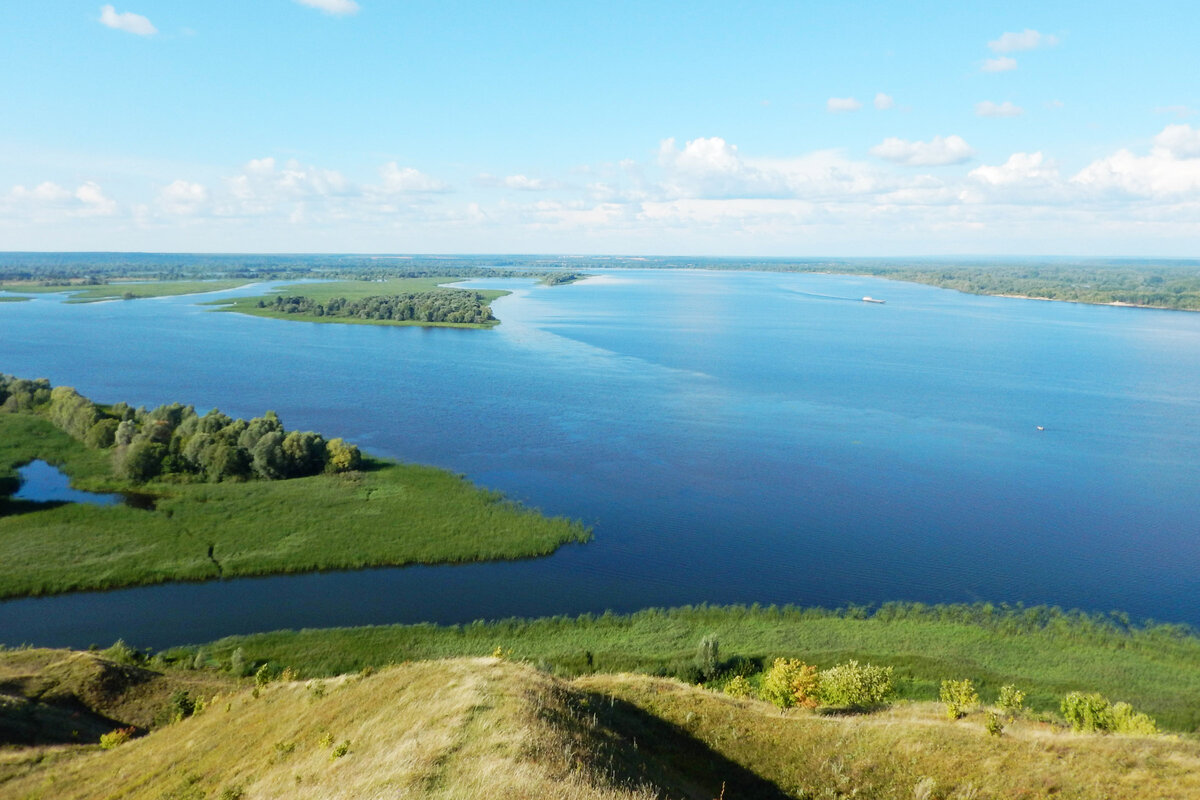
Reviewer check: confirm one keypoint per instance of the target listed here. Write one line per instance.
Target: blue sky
(667, 128)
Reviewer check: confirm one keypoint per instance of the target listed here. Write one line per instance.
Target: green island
(392, 301)
(949, 702)
(216, 497)
(90, 290)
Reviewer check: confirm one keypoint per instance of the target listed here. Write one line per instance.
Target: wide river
(732, 438)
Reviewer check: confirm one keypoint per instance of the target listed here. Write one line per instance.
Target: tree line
(174, 442)
(436, 305)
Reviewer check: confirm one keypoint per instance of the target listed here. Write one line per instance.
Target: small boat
(873, 300)
(1041, 428)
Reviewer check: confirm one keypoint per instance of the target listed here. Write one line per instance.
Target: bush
(237, 662)
(116, 738)
(1012, 699)
(180, 706)
(791, 682)
(960, 697)
(708, 657)
(1130, 722)
(122, 653)
(1087, 712)
(854, 685)
(739, 687)
(994, 724)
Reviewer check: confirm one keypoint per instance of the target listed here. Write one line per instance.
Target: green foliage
(739, 687)
(854, 685)
(340, 750)
(237, 662)
(436, 305)
(235, 792)
(264, 675)
(116, 738)
(960, 697)
(1087, 712)
(343, 457)
(791, 682)
(993, 724)
(708, 659)
(1129, 722)
(122, 653)
(1011, 700)
(181, 706)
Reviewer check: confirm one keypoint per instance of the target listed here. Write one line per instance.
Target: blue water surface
(732, 437)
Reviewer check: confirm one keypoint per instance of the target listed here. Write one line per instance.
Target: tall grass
(386, 514)
(1043, 651)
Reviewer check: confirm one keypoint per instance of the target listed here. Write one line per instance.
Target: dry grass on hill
(488, 728)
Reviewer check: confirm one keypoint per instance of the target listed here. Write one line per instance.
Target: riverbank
(1045, 651)
(124, 290)
(384, 514)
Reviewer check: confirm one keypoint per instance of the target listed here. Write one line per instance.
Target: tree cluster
(436, 305)
(175, 441)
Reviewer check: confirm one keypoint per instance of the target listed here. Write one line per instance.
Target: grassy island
(85, 292)
(393, 301)
(285, 502)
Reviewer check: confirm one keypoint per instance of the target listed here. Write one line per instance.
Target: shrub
(960, 697)
(340, 750)
(1012, 699)
(180, 706)
(791, 682)
(854, 685)
(738, 686)
(116, 738)
(708, 657)
(1087, 712)
(264, 675)
(237, 662)
(122, 653)
(1128, 721)
(994, 724)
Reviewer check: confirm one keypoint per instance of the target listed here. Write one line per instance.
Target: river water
(732, 437)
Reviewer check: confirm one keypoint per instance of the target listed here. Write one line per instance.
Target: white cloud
(1180, 141)
(1001, 64)
(126, 21)
(408, 180)
(1006, 109)
(1020, 169)
(837, 105)
(1171, 169)
(182, 197)
(527, 184)
(938, 151)
(1027, 39)
(884, 101)
(338, 8)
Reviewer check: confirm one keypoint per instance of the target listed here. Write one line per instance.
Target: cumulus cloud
(938, 151)
(1180, 141)
(409, 179)
(338, 8)
(1006, 109)
(837, 105)
(126, 21)
(1001, 64)
(1020, 169)
(884, 101)
(1169, 170)
(1027, 39)
(88, 200)
(183, 197)
(521, 183)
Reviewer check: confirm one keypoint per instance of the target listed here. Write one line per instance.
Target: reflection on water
(42, 482)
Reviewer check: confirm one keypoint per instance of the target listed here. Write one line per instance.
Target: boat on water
(873, 300)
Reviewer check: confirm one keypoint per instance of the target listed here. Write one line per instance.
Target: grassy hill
(487, 728)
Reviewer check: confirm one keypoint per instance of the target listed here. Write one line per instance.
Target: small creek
(42, 482)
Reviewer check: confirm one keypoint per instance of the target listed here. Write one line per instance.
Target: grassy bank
(353, 290)
(131, 290)
(385, 514)
(1044, 651)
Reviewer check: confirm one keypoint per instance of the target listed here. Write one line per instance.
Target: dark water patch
(43, 483)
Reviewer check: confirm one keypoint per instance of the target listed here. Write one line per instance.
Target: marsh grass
(126, 290)
(387, 514)
(1046, 652)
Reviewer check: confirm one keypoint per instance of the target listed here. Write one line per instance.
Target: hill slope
(489, 728)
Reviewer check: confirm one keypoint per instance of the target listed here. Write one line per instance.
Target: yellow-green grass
(1043, 652)
(127, 290)
(461, 729)
(7, 299)
(388, 514)
(489, 728)
(353, 290)
(908, 751)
